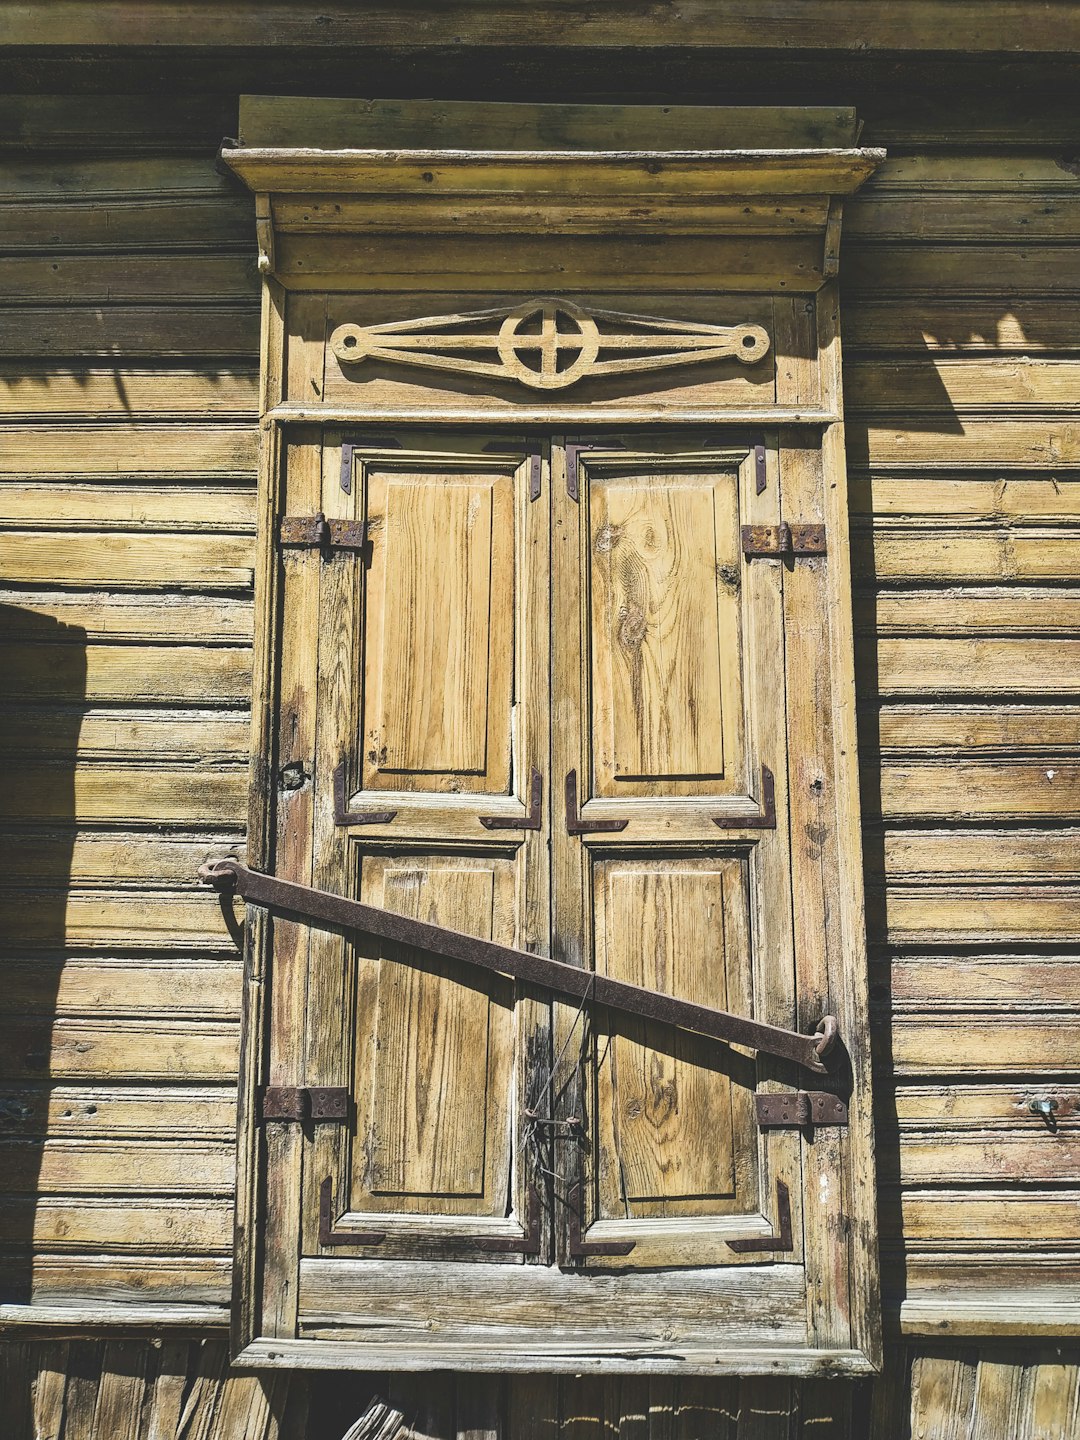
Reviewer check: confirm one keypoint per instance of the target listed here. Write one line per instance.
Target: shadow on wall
(44, 667)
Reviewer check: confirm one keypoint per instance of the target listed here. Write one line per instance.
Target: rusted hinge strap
(319, 1104)
(586, 986)
(795, 1109)
(782, 539)
(315, 532)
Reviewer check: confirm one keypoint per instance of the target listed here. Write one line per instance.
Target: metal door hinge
(315, 532)
(317, 1104)
(795, 1109)
(782, 540)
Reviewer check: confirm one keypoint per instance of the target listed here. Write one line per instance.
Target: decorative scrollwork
(547, 344)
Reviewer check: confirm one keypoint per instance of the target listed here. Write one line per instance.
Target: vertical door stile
(293, 851)
(331, 967)
(774, 949)
(570, 1097)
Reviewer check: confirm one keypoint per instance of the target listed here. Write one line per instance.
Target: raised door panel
(438, 625)
(665, 632)
(675, 1130)
(434, 1046)
(441, 624)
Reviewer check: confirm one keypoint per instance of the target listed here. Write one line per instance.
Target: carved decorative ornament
(547, 344)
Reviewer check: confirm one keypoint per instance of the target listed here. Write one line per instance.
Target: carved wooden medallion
(547, 344)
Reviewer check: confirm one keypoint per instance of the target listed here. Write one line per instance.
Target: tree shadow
(44, 662)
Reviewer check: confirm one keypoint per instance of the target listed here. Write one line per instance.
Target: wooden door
(546, 703)
(669, 671)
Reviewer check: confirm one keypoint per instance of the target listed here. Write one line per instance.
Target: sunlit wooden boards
(126, 527)
(1018, 27)
(963, 475)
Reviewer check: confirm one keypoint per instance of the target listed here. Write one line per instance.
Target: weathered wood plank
(939, 384)
(163, 858)
(128, 450)
(1004, 914)
(954, 610)
(918, 731)
(144, 561)
(1008, 324)
(123, 392)
(99, 505)
(968, 214)
(202, 738)
(960, 790)
(906, 270)
(143, 1225)
(176, 224)
(196, 1050)
(97, 792)
(180, 985)
(977, 443)
(81, 1290)
(990, 667)
(126, 279)
(123, 616)
(1016, 26)
(1030, 854)
(1039, 1218)
(129, 124)
(929, 552)
(191, 674)
(97, 919)
(963, 978)
(159, 1112)
(76, 1167)
(119, 332)
(972, 1044)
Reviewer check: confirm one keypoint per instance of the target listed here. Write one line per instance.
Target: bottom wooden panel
(363, 1314)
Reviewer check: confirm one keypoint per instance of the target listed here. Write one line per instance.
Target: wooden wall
(128, 359)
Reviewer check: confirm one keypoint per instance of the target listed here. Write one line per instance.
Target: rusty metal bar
(582, 985)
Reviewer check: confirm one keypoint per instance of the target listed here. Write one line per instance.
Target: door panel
(675, 1134)
(434, 1046)
(665, 629)
(670, 662)
(438, 626)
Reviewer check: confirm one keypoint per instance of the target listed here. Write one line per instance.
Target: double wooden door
(540, 694)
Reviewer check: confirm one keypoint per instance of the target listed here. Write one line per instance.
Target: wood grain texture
(1016, 26)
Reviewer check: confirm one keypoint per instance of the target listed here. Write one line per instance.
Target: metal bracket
(344, 816)
(759, 467)
(527, 1244)
(376, 442)
(572, 450)
(315, 532)
(328, 1235)
(778, 1240)
(531, 820)
(319, 1104)
(575, 825)
(529, 444)
(765, 819)
(797, 1109)
(580, 1249)
(783, 540)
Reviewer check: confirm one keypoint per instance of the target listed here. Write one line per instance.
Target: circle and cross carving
(560, 340)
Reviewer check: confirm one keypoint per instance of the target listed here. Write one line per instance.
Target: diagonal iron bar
(327, 909)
